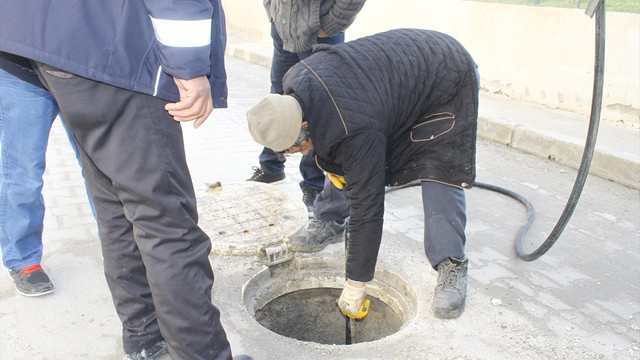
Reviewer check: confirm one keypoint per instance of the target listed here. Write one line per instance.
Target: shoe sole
(34, 294)
(310, 248)
(448, 315)
(277, 182)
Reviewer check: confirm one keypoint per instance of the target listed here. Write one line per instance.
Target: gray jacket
(297, 21)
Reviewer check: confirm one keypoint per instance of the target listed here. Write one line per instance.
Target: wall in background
(539, 54)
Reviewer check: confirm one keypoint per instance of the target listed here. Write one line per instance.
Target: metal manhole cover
(243, 218)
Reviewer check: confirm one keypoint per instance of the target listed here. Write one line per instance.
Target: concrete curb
(617, 166)
(549, 133)
(560, 136)
(255, 51)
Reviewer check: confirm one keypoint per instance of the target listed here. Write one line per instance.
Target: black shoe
(260, 176)
(318, 235)
(308, 197)
(451, 291)
(31, 281)
(157, 351)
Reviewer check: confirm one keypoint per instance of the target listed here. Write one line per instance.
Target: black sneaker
(31, 281)
(308, 197)
(451, 290)
(318, 235)
(260, 176)
(157, 351)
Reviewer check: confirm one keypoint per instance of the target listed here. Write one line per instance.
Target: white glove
(353, 301)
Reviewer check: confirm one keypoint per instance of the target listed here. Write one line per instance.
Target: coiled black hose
(597, 7)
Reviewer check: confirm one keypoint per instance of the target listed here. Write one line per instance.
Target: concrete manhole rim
(313, 273)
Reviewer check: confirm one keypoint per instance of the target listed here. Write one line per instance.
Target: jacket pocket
(433, 126)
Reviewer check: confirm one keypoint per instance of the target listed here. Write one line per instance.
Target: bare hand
(321, 34)
(195, 101)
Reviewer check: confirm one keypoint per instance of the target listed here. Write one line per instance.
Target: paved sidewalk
(581, 300)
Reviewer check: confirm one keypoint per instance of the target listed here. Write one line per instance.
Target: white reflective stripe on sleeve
(155, 88)
(182, 33)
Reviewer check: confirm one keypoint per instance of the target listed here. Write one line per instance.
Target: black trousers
(155, 255)
(445, 219)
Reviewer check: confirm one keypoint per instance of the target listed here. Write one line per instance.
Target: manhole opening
(312, 315)
(297, 299)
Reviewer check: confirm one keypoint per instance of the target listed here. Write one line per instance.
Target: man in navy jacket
(124, 74)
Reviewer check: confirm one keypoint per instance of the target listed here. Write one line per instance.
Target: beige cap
(275, 122)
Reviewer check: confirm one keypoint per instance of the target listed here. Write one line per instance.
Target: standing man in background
(297, 25)
(124, 75)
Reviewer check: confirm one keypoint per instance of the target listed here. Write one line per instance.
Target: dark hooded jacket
(388, 109)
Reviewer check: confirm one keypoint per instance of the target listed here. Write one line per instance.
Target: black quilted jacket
(388, 109)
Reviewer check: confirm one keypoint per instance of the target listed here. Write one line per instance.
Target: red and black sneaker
(31, 281)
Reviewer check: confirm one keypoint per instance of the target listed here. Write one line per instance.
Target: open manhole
(298, 300)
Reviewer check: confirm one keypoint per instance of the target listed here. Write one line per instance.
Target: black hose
(347, 336)
(587, 155)
(597, 6)
(531, 214)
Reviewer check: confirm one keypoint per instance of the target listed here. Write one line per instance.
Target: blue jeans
(312, 177)
(27, 113)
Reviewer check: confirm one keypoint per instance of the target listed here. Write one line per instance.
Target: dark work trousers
(155, 255)
(331, 204)
(444, 221)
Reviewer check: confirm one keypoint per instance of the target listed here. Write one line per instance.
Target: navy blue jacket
(138, 45)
